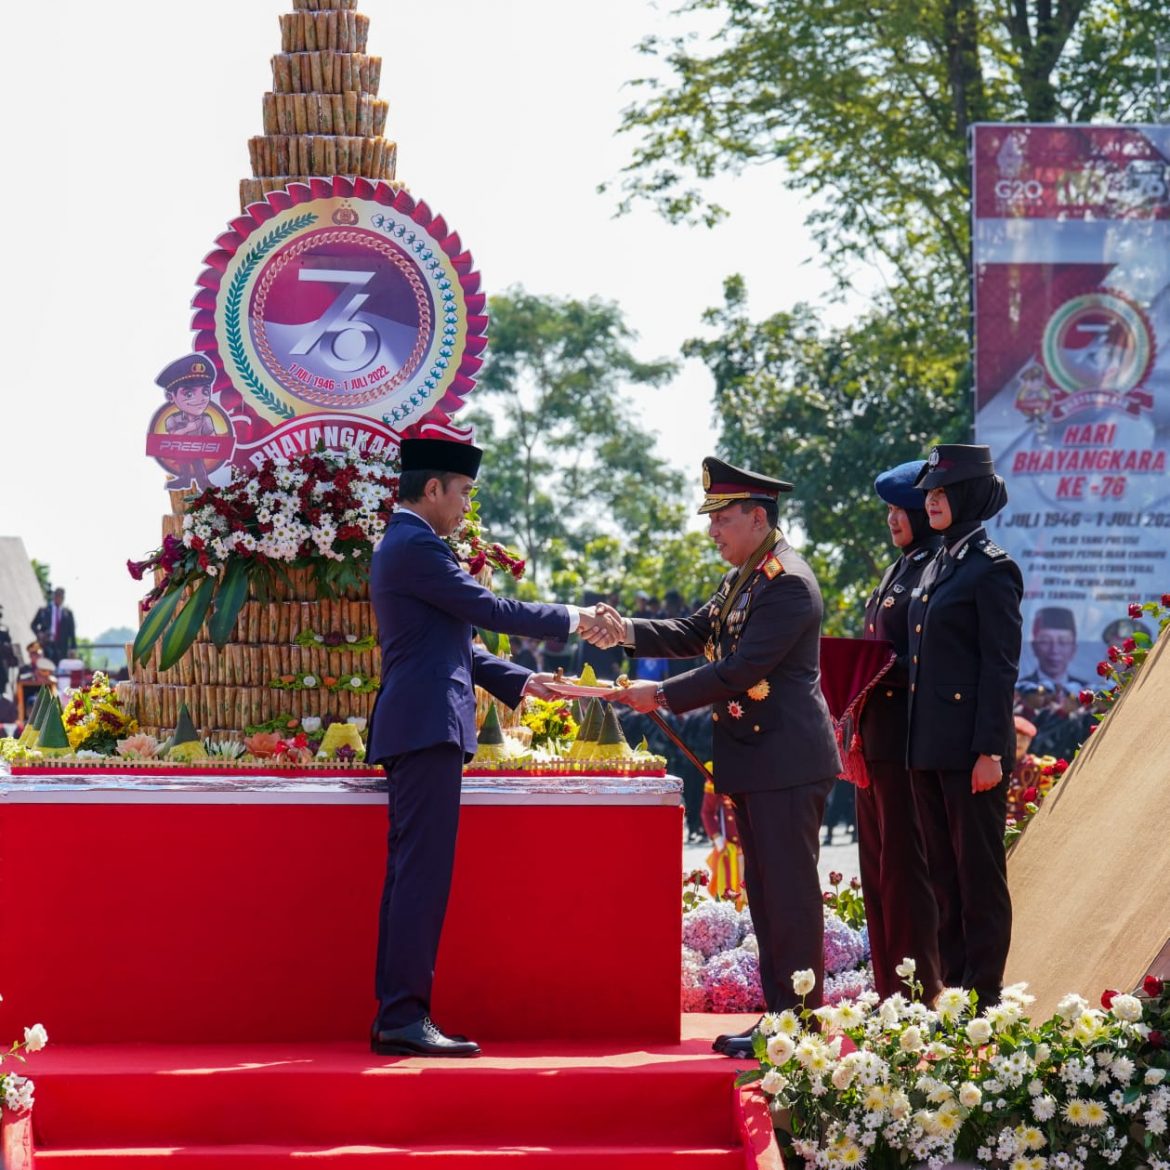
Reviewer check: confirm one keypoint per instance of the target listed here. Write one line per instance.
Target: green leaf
(490, 639)
(187, 624)
(749, 1077)
(154, 623)
(233, 592)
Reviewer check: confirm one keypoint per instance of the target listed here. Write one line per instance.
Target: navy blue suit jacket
(426, 606)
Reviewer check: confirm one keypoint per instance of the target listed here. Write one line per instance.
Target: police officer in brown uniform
(774, 749)
(899, 903)
(965, 635)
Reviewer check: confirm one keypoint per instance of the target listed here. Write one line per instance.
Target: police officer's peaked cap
(195, 368)
(896, 486)
(725, 485)
(953, 463)
(441, 455)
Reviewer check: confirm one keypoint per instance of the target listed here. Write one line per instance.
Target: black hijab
(972, 501)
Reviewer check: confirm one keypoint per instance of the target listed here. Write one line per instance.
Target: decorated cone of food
(611, 742)
(340, 735)
(53, 740)
(28, 737)
(491, 748)
(590, 728)
(588, 676)
(185, 743)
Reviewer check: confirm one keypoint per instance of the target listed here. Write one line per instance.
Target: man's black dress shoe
(738, 1048)
(719, 1044)
(422, 1038)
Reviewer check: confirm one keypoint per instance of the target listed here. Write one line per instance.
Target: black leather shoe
(738, 1048)
(422, 1038)
(723, 1039)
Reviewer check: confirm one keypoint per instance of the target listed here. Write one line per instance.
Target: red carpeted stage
(201, 952)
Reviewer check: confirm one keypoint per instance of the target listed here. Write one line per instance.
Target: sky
(125, 155)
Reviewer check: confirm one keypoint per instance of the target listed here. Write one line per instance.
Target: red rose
(855, 883)
(1104, 669)
(835, 878)
(1107, 997)
(1094, 728)
(1166, 600)
(1087, 698)
(1153, 986)
(1129, 644)
(1060, 767)
(1135, 610)
(1030, 795)
(1114, 653)
(1128, 660)
(1156, 1039)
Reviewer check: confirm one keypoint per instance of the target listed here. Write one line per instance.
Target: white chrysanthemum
(951, 1002)
(787, 1024)
(911, 1039)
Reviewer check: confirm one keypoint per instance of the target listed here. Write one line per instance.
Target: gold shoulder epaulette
(772, 567)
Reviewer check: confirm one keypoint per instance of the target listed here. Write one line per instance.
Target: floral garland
(335, 640)
(872, 1085)
(322, 510)
(357, 683)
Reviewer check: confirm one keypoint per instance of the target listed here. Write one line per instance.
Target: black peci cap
(194, 368)
(441, 455)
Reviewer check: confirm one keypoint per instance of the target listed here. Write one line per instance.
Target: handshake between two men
(601, 625)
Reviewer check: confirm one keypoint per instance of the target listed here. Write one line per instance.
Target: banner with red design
(1071, 253)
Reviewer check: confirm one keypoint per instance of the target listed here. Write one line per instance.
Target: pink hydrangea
(711, 927)
(732, 981)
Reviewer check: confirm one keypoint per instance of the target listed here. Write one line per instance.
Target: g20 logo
(1019, 190)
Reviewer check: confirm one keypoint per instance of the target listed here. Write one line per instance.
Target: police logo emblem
(934, 457)
(888, 603)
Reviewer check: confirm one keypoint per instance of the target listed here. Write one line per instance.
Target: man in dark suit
(423, 725)
(895, 882)
(774, 749)
(54, 628)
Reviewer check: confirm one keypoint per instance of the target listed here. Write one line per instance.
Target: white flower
(310, 723)
(787, 1023)
(906, 968)
(1071, 1007)
(35, 1038)
(843, 1076)
(979, 1031)
(1122, 1069)
(18, 1092)
(310, 680)
(803, 982)
(351, 637)
(1044, 1108)
(1155, 1076)
(355, 681)
(357, 721)
(773, 1082)
(969, 1095)
(911, 1039)
(950, 1002)
(1126, 1007)
(780, 1048)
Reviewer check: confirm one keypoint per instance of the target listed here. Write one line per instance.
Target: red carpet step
(256, 1106)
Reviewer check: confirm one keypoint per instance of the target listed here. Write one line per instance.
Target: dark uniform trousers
(968, 871)
(899, 903)
(779, 829)
(424, 819)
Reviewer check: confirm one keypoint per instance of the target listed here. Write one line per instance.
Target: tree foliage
(827, 409)
(867, 103)
(569, 474)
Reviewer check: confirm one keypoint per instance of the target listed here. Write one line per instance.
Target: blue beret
(896, 486)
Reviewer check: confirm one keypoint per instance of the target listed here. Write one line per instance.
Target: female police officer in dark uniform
(899, 903)
(964, 630)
